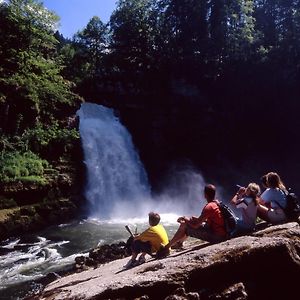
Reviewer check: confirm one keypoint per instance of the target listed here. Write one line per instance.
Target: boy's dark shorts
(139, 246)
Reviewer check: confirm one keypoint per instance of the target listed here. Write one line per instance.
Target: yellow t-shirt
(156, 235)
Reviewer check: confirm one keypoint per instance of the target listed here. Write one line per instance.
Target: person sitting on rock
(273, 200)
(149, 241)
(209, 226)
(246, 199)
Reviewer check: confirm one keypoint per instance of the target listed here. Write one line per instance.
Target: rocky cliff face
(265, 265)
(33, 207)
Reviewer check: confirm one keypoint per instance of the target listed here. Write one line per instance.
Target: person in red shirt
(209, 226)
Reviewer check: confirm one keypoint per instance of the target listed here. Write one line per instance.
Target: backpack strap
(218, 204)
(224, 221)
(280, 206)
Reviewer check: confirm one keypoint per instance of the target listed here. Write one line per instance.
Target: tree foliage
(31, 85)
(22, 166)
(34, 96)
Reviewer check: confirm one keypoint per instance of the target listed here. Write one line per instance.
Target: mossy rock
(24, 222)
(28, 211)
(34, 217)
(53, 194)
(66, 203)
(7, 203)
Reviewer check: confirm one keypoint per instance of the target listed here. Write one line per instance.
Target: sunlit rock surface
(265, 265)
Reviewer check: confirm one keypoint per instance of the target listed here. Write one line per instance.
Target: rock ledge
(265, 265)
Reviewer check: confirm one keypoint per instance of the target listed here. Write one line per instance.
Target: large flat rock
(261, 266)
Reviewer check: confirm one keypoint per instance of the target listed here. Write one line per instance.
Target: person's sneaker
(131, 263)
(141, 260)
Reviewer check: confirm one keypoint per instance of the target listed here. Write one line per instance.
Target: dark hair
(264, 180)
(210, 192)
(274, 181)
(154, 218)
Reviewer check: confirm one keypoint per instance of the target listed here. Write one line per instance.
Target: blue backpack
(230, 220)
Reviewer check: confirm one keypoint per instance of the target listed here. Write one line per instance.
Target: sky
(75, 14)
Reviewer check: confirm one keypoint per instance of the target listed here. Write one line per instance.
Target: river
(26, 261)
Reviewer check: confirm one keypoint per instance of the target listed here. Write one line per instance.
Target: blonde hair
(254, 191)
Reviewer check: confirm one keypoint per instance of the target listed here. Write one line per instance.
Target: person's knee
(136, 246)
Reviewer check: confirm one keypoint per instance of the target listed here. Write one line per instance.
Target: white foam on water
(32, 263)
(11, 244)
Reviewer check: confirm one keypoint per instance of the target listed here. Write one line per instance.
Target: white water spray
(117, 188)
(115, 175)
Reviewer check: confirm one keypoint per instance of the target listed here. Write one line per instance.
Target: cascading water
(116, 180)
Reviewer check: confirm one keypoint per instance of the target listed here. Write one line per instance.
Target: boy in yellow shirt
(148, 241)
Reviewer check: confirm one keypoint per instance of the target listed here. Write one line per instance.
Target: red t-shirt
(212, 214)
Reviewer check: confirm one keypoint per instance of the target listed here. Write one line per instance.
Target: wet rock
(35, 217)
(101, 255)
(49, 278)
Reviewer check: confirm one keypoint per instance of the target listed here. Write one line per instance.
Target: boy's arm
(141, 235)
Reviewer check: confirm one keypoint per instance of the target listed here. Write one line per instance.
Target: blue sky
(75, 14)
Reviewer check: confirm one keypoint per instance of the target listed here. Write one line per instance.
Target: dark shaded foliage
(215, 83)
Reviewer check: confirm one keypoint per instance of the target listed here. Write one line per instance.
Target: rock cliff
(265, 265)
(27, 207)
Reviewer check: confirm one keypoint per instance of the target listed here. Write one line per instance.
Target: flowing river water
(26, 261)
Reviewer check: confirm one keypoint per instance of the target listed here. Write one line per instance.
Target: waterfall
(116, 183)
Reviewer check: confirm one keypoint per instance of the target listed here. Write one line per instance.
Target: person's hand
(182, 220)
(241, 191)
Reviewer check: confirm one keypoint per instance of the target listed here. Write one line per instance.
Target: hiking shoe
(131, 263)
(141, 260)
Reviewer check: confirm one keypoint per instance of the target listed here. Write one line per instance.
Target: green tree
(32, 88)
(93, 39)
(133, 28)
(240, 29)
(86, 66)
(184, 35)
